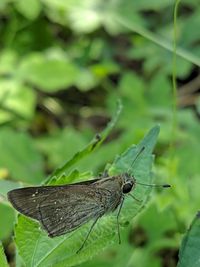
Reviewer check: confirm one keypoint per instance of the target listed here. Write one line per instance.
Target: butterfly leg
(118, 230)
(104, 174)
(138, 200)
(86, 238)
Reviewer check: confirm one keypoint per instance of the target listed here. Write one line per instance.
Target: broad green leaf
(7, 221)
(189, 255)
(61, 251)
(3, 260)
(20, 157)
(117, 255)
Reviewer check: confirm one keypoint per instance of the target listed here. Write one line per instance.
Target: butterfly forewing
(26, 200)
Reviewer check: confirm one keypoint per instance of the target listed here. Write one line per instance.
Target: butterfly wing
(26, 200)
(60, 209)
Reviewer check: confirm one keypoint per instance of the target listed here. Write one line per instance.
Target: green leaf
(6, 222)
(61, 251)
(3, 260)
(189, 255)
(30, 9)
(20, 157)
(50, 73)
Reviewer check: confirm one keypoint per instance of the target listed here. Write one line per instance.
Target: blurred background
(63, 65)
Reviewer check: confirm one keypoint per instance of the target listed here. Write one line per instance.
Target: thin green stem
(174, 73)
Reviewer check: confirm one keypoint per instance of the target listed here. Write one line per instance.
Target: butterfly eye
(127, 188)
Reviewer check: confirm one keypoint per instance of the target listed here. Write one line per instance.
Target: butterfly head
(128, 183)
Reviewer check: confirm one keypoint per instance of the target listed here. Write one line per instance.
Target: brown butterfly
(63, 208)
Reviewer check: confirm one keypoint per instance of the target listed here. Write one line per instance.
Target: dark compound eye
(127, 188)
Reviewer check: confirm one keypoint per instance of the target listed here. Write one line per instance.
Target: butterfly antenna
(155, 185)
(138, 154)
(152, 185)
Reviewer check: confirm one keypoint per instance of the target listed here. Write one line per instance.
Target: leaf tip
(157, 127)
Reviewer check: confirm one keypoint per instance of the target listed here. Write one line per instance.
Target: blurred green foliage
(63, 65)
